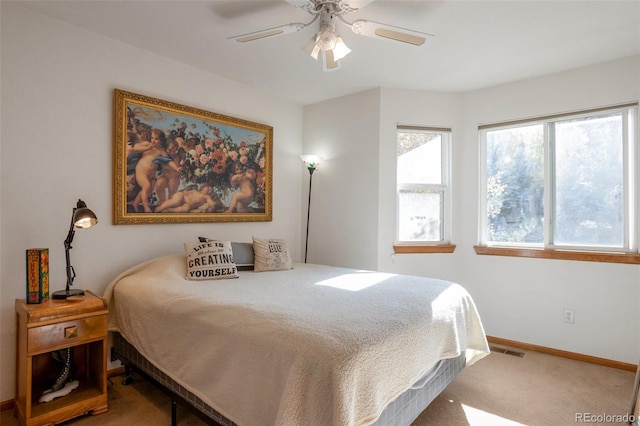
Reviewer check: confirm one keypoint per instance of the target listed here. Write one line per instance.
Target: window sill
(630, 258)
(432, 248)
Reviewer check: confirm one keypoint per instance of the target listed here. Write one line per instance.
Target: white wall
(523, 299)
(343, 226)
(56, 146)
(519, 298)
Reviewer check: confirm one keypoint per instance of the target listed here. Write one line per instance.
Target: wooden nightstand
(51, 326)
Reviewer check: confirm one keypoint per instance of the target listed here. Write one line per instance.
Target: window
(423, 186)
(564, 182)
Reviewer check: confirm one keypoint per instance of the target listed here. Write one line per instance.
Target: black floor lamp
(311, 162)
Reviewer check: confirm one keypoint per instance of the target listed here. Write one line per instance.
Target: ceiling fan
(326, 44)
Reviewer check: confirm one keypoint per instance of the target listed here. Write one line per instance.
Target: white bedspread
(314, 345)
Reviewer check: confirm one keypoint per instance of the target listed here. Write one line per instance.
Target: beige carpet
(501, 389)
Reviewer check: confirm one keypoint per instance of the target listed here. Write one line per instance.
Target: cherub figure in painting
(168, 183)
(192, 200)
(154, 156)
(243, 179)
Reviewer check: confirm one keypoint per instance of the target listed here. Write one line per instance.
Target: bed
(310, 345)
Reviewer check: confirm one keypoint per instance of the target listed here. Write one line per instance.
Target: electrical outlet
(568, 316)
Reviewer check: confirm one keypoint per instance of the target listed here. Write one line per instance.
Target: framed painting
(179, 164)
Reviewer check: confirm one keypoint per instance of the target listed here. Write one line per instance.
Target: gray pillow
(242, 254)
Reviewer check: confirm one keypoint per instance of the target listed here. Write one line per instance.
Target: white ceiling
(477, 43)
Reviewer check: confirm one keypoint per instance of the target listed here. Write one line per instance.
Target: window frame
(628, 253)
(444, 188)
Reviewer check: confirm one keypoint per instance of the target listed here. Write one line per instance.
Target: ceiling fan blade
(390, 32)
(270, 32)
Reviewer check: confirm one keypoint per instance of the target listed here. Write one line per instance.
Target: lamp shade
(311, 161)
(340, 50)
(83, 217)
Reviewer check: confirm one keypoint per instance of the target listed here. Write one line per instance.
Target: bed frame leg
(174, 416)
(128, 378)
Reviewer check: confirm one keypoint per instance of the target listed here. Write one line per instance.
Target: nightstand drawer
(48, 337)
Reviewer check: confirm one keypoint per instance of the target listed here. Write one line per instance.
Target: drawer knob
(70, 332)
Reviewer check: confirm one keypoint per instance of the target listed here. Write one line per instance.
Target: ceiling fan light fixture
(329, 56)
(312, 47)
(340, 50)
(328, 46)
(327, 39)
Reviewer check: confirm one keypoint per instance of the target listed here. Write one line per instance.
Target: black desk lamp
(81, 217)
(311, 162)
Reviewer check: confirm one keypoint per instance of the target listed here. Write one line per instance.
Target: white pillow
(211, 260)
(271, 254)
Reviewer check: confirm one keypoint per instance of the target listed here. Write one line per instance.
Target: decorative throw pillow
(242, 254)
(271, 254)
(211, 260)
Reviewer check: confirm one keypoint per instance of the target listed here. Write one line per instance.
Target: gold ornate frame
(207, 167)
